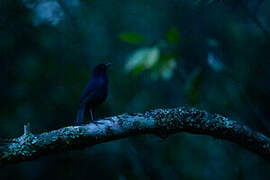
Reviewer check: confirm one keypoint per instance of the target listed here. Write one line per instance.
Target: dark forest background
(209, 54)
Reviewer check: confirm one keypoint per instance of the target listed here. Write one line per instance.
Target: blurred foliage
(161, 66)
(131, 37)
(144, 58)
(213, 55)
(173, 36)
(192, 85)
(155, 59)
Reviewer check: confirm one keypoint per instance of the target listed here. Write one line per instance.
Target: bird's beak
(108, 64)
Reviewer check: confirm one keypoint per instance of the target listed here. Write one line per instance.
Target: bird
(94, 94)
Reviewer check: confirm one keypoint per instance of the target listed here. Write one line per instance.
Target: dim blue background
(213, 55)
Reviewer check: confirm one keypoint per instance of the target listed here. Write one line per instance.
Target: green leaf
(164, 69)
(152, 57)
(142, 59)
(192, 85)
(173, 36)
(167, 70)
(131, 38)
(136, 59)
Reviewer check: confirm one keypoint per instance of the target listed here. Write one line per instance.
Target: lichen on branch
(161, 122)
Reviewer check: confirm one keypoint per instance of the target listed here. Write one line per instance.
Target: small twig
(26, 129)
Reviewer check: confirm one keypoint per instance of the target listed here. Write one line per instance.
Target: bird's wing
(88, 90)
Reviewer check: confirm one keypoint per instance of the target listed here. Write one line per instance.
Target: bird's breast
(99, 95)
(96, 92)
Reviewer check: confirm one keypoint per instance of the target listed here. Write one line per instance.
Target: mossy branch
(161, 122)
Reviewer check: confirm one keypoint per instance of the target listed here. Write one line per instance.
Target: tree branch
(161, 122)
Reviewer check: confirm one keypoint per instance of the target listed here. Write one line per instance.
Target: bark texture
(161, 122)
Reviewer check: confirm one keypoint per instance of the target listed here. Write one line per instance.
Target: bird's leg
(91, 115)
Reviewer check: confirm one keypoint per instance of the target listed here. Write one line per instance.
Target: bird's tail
(80, 115)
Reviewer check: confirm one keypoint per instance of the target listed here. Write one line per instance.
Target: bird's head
(101, 68)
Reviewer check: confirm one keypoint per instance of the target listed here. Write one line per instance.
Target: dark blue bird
(94, 94)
